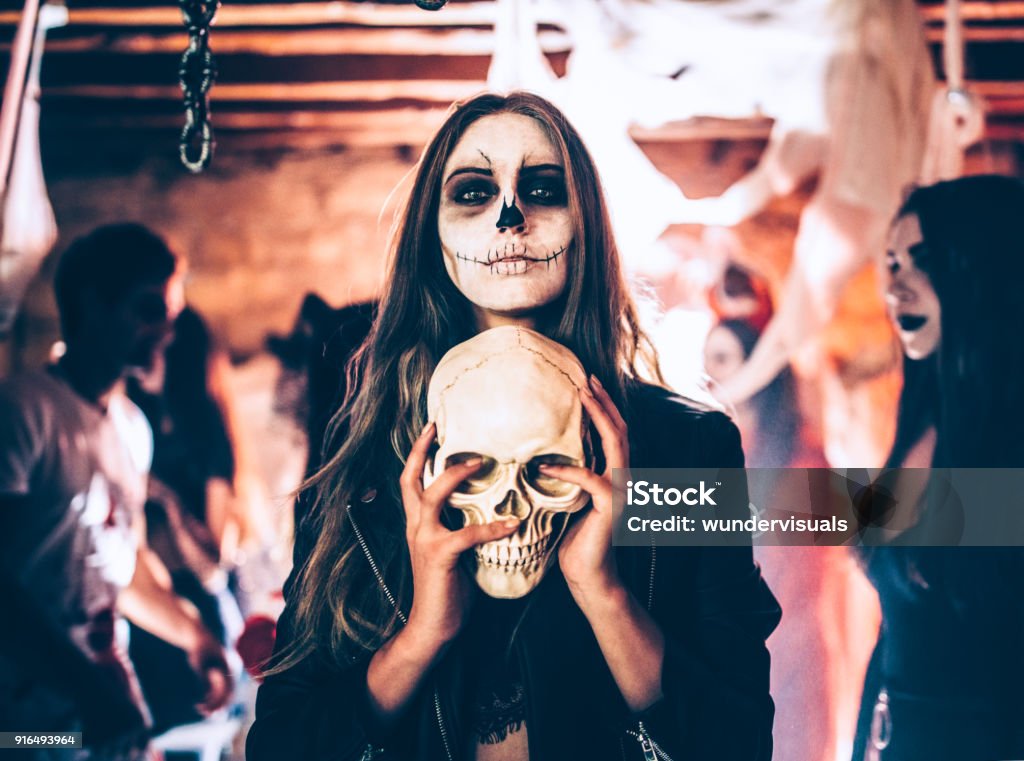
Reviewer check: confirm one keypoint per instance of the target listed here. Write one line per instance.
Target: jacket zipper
(651, 750)
(401, 617)
(373, 566)
(650, 582)
(441, 726)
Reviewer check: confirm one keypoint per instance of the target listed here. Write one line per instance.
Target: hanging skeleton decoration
(511, 396)
(28, 228)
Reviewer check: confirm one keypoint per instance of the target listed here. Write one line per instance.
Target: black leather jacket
(712, 605)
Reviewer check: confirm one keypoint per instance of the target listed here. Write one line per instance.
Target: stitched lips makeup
(513, 259)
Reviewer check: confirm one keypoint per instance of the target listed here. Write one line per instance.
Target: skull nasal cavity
(513, 506)
(510, 215)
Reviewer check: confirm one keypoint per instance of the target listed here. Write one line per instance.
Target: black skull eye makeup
(542, 185)
(544, 191)
(476, 191)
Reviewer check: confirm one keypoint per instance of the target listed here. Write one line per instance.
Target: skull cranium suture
(510, 396)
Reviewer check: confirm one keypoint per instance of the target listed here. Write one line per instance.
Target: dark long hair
(191, 386)
(339, 608)
(970, 387)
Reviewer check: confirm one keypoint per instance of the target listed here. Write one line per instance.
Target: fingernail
(596, 382)
(426, 427)
(543, 467)
(472, 462)
(510, 522)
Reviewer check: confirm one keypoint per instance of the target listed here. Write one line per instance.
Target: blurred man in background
(74, 457)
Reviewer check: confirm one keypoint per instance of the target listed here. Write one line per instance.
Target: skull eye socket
(481, 480)
(547, 485)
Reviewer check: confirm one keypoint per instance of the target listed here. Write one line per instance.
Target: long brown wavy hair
(338, 606)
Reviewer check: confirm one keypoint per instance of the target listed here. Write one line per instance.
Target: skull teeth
(511, 557)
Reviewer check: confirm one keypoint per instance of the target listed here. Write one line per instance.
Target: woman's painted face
(504, 220)
(723, 354)
(911, 300)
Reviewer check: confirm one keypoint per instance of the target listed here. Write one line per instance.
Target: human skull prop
(511, 396)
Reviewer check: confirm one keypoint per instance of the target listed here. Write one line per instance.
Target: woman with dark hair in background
(193, 517)
(613, 656)
(196, 449)
(769, 421)
(945, 681)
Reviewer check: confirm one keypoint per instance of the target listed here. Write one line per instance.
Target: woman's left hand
(585, 554)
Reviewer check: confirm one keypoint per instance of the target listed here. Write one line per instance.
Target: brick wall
(259, 229)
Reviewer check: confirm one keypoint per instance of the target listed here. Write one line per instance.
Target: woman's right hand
(441, 590)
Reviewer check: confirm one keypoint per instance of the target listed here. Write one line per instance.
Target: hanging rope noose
(196, 73)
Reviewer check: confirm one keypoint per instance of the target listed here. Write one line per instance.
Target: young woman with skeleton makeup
(945, 679)
(618, 653)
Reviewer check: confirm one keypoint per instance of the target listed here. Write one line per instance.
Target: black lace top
(498, 698)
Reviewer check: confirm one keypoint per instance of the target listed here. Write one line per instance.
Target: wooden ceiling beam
(1005, 106)
(335, 12)
(976, 10)
(978, 34)
(380, 127)
(432, 90)
(995, 89)
(369, 41)
(429, 90)
(469, 14)
(311, 42)
(388, 127)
